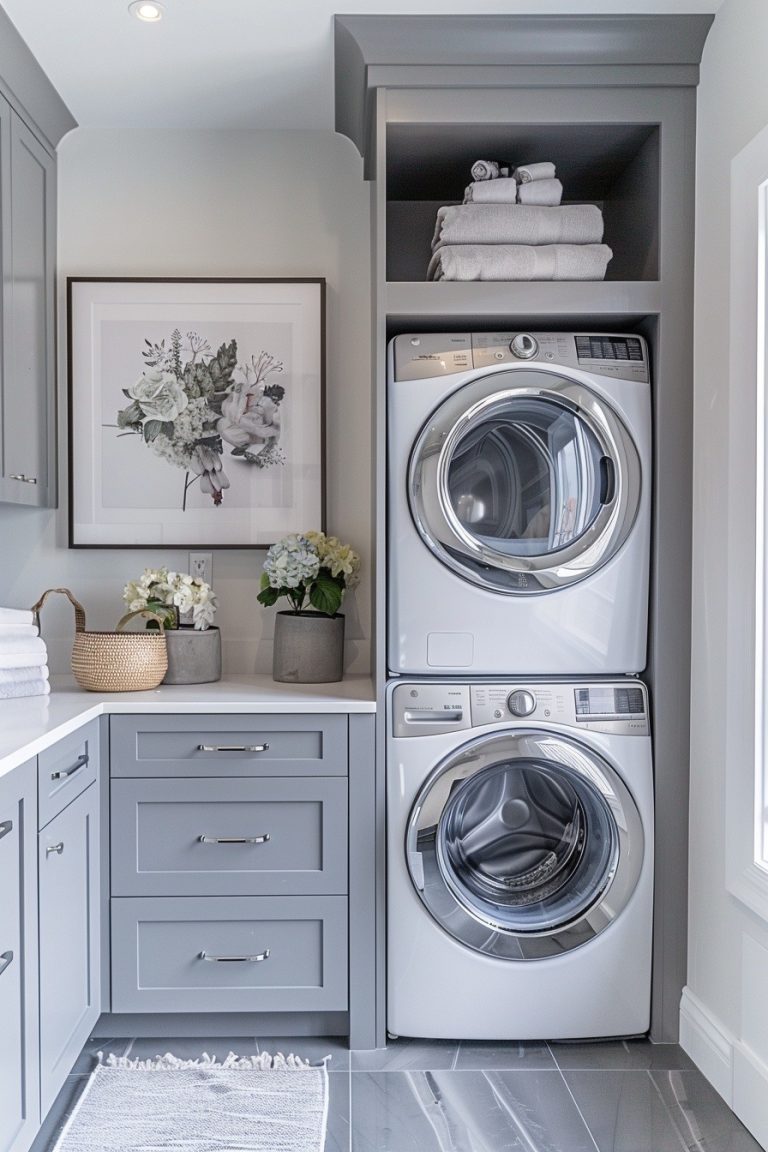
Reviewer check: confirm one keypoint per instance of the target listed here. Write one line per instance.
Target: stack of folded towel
(23, 656)
(515, 228)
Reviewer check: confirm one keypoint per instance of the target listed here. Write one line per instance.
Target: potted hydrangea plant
(313, 571)
(188, 606)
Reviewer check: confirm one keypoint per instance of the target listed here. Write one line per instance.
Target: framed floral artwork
(196, 411)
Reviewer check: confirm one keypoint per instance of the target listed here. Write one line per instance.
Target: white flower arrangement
(172, 594)
(310, 566)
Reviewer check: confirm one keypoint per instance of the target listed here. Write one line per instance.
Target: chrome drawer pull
(236, 959)
(5, 959)
(234, 839)
(233, 747)
(79, 763)
(57, 848)
(24, 479)
(6, 826)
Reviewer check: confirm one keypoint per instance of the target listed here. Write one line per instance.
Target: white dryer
(519, 503)
(520, 859)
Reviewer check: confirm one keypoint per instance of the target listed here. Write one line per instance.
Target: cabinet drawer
(185, 837)
(228, 745)
(283, 954)
(66, 770)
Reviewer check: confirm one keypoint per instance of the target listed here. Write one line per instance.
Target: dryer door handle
(607, 480)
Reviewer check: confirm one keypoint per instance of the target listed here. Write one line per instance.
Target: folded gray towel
(543, 192)
(501, 191)
(518, 224)
(528, 172)
(485, 170)
(519, 262)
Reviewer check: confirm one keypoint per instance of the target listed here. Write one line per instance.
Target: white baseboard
(730, 1065)
(708, 1044)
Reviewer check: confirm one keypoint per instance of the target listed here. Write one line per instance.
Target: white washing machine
(519, 481)
(520, 859)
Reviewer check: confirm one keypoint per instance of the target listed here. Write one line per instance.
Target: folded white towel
(486, 170)
(19, 675)
(543, 192)
(519, 262)
(501, 191)
(17, 631)
(23, 659)
(518, 224)
(9, 645)
(16, 616)
(24, 688)
(529, 172)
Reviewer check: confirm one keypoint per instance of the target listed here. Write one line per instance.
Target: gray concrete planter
(194, 657)
(309, 648)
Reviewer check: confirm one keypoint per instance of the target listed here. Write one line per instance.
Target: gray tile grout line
(576, 1106)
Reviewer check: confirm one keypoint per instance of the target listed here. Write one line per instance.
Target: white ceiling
(227, 63)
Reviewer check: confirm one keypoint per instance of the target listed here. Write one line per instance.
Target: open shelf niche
(615, 166)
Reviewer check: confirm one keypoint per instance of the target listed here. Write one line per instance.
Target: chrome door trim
(444, 902)
(458, 549)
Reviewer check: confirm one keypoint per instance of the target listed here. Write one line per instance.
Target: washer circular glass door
(524, 481)
(524, 845)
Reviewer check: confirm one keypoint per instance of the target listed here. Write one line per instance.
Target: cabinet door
(19, 1104)
(68, 863)
(28, 410)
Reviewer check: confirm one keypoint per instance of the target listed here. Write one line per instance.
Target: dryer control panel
(428, 356)
(618, 707)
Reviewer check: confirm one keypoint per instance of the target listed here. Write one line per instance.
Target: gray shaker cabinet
(69, 876)
(19, 1100)
(28, 215)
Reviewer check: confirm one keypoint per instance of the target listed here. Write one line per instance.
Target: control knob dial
(524, 346)
(521, 702)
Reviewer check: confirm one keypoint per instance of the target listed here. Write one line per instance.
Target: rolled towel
(527, 173)
(19, 675)
(17, 631)
(546, 193)
(486, 170)
(517, 224)
(24, 688)
(501, 191)
(519, 262)
(16, 616)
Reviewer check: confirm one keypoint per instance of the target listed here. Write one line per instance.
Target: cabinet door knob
(5, 959)
(79, 763)
(6, 826)
(263, 839)
(57, 848)
(236, 959)
(24, 479)
(233, 747)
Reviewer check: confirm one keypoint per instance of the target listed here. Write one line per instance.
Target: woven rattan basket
(114, 661)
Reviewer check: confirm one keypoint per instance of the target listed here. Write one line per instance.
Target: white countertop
(30, 725)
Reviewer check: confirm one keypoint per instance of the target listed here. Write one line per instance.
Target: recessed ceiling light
(150, 13)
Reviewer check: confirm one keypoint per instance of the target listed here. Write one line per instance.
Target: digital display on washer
(608, 701)
(609, 348)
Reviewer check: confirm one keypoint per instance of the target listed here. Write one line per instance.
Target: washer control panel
(619, 707)
(432, 355)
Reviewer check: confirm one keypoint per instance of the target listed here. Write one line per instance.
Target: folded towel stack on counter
(23, 656)
(513, 227)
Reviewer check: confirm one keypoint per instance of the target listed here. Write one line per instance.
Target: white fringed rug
(254, 1104)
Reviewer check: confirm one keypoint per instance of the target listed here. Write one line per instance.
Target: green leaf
(167, 427)
(264, 582)
(325, 595)
(268, 596)
(125, 392)
(129, 417)
(152, 428)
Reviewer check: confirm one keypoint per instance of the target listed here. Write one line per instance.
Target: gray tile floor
(443, 1096)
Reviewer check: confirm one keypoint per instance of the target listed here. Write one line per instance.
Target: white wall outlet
(201, 566)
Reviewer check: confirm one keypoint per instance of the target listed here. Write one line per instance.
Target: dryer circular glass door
(524, 845)
(524, 481)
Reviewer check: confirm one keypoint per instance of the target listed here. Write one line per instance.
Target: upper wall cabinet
(28, 214)
(33, 119)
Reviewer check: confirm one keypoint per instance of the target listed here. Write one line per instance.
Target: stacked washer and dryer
(519, 762)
